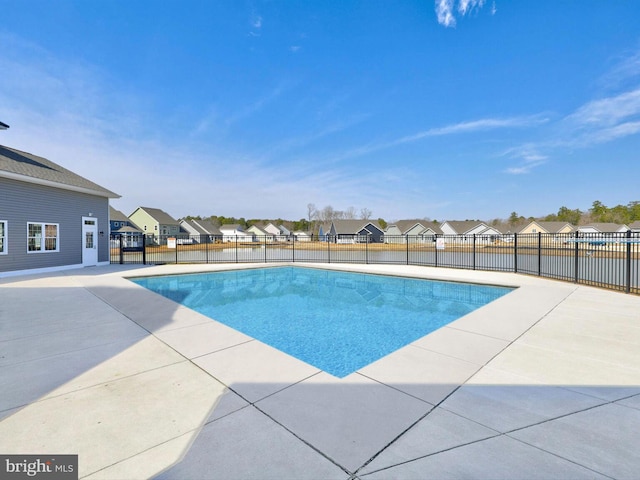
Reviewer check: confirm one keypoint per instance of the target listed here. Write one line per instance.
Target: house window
(3, 237)
(43, 237)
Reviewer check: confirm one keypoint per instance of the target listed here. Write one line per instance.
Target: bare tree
(326, 214)
(365, 213)
(350, 213)
(312, 214)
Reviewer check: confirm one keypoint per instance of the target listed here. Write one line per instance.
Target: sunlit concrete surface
(541, 383)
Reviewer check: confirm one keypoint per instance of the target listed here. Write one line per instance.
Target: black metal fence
(609, 260)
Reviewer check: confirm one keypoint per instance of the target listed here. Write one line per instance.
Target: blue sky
(446, 110)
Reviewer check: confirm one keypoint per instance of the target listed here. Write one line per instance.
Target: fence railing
(604, 260)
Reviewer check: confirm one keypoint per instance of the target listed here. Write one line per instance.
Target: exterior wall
(232, 235)
(419, 234)
(260, 235)
(588, 230)
(145, 222)
(272, 229)
(481, 228)
(301, 236)
(447, 229)
(25, 202)
(415, 230)
(393, 235)
(167, 229)
(532, 228)
(376, 234)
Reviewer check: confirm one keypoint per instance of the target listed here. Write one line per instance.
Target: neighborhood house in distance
(50, 218)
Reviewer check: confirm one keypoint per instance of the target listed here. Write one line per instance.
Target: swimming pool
(336, 321)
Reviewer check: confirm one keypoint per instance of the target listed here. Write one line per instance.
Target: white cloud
(454, 129)
(466, 5)
(603, 120)
(625, 71)
(613, 133)
(256, 21)
(529, 157)
(445, 10)
(608, 111)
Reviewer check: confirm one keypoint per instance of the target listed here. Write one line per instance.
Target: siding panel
(24, 202)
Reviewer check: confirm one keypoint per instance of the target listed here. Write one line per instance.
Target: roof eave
(48, 183)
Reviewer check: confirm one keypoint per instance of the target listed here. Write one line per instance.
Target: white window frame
(43, 238)
(4, 237)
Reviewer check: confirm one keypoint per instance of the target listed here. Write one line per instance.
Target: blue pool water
(336, 321)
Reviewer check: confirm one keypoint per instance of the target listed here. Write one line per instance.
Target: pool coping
(365, 417)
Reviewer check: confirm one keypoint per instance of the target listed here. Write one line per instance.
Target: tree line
(598, 213)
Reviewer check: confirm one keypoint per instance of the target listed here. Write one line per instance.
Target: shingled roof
(158, 215)
(26, 167)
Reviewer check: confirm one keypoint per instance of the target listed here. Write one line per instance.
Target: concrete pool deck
(541, 383)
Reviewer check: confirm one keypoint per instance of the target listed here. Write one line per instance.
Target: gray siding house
(355, 231)
(412, 231)
(50, 218)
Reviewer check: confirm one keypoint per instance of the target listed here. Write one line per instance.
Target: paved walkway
(542, 383)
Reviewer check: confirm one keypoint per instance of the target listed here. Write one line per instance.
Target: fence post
(236, 248)
(177, 243)
(121, 252)
(539, 253)
(265, 248)
(436, 250)
(328, 249)
(293, 248)
(515, 252)
(366, 250)
(575, 259)
(473, 255)
(406, 239)
(628, 275)
(144, 248)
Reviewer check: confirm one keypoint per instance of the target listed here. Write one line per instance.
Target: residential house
(50, 218)
(323, 231)
(211, 230)
(197, 234)
(635, 226)
(603, 228)
(156, 224)
(118, 220)
(280, 233)
(465, 230)
(235, 233)
(355, 231)
(122, 231)
(301, 236)
(259, 234)
(201, 231)
(412, 231)
(547, 227)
